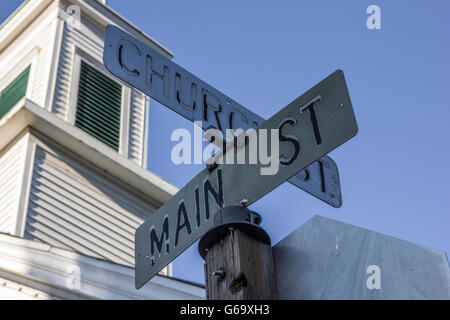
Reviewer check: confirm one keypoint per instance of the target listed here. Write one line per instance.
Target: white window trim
(55, 54)
(80, 55)
(145, 133)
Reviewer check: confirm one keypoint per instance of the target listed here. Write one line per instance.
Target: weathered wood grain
(248, 267)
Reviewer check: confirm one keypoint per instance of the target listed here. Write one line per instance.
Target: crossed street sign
(188, 215)
(166, 82)
(308, 128)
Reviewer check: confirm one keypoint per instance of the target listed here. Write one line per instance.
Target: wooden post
(239, 267)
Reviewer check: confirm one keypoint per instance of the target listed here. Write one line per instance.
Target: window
(14, 92)
(99, 106)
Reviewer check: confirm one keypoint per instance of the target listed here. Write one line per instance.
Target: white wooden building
(73, 154)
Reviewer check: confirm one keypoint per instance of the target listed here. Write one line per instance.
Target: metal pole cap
(233, 217)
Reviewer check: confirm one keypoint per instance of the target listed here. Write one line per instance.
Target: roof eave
(29, 10)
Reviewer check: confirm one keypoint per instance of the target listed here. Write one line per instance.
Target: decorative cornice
(28, 114)
(54, 271)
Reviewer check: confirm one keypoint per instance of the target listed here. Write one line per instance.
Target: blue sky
(394, 174)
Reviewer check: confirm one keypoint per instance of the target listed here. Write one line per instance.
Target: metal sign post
(168, 83)
(309, 127)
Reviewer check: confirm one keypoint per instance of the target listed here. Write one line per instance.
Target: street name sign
(309, 127)
(163, 80)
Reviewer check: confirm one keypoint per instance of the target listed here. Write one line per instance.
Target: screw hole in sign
(341, 104)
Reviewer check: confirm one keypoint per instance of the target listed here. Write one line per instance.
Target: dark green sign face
(309, 127)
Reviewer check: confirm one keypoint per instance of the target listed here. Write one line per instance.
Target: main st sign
(181, 91)
(309, 127)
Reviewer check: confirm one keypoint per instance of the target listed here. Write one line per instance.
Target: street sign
(168, 83)
(309, 127)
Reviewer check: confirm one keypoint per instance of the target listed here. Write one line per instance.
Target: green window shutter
(15, 91)
(99, 106)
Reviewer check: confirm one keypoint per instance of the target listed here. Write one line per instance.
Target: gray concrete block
(328, 259)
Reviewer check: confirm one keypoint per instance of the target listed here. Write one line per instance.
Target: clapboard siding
(75, 207)
(11, 168)
(63, 76)
(71, 39)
